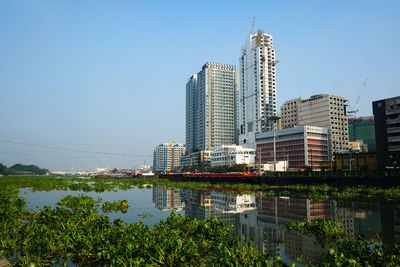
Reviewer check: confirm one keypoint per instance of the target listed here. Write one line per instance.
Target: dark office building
(387, 131)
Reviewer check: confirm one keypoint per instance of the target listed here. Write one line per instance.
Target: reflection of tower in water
(273, 211)
(167, 199)
(204, 204)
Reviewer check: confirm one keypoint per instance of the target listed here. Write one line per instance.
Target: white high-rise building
(257, 93)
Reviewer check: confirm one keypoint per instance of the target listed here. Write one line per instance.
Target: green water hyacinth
(76, 232)
(120, 205)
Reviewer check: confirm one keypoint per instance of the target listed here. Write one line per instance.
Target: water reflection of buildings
(259, 219)
(204, 204)
(270, 237)
(167, 199)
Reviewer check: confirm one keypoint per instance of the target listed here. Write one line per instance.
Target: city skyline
(111, 77)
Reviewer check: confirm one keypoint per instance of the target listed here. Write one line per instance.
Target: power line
(66, 149)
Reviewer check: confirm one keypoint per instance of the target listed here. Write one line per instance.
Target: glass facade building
(363, 128)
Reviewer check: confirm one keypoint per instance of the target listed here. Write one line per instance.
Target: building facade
(387, 131)
(200, 159)
(211, 107)
(363, 128)
(257, 92)
(166, 157)
(300, 146)
(328, 111)
(229, 155)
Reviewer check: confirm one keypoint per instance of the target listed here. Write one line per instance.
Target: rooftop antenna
(252, 25)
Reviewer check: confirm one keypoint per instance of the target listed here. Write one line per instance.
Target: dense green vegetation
(346, 251)
(75, 231)
(314, 192)
(119, 205)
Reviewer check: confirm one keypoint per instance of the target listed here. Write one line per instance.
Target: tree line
(20, 169)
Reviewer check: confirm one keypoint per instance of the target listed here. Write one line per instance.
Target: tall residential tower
(257, 96)
(211, 107)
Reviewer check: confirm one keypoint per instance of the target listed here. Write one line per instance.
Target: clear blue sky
(110, 75)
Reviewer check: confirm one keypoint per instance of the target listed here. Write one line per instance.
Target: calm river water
(254, 217)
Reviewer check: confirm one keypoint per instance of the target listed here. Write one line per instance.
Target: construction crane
(252, 25)
(354, 109)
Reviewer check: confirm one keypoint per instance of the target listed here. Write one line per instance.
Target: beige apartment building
(166, 156)
(325, 110)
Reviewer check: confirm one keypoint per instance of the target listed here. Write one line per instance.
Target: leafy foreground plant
(83, 236)
(119, 205)
(347, 251)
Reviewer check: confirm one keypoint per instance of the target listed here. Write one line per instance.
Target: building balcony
(393, 129)
(393, 139)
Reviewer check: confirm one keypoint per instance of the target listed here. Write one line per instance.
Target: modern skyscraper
(211, 107)
(328, 111)
(166, 156)
(257, 88)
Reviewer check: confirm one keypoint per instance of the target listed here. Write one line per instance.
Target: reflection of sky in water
(255, 217)
(140, 201)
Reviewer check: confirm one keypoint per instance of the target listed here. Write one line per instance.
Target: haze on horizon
(110, 76)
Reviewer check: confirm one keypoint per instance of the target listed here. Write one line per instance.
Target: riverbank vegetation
(314, 192)
(346, 251)
(75, 232)
(22, 169)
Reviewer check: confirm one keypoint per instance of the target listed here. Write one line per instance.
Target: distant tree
(3, 169)
(33, 169)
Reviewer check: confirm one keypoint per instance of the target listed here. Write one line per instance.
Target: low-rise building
(199, 159)
(303, 146)
(229, 155)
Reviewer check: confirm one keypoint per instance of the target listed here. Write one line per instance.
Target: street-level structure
(257, 92)
(229, 155)
(303, 146)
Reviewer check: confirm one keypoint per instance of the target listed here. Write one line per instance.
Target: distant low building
(229, 155)
(358, 146)
(356, 161)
